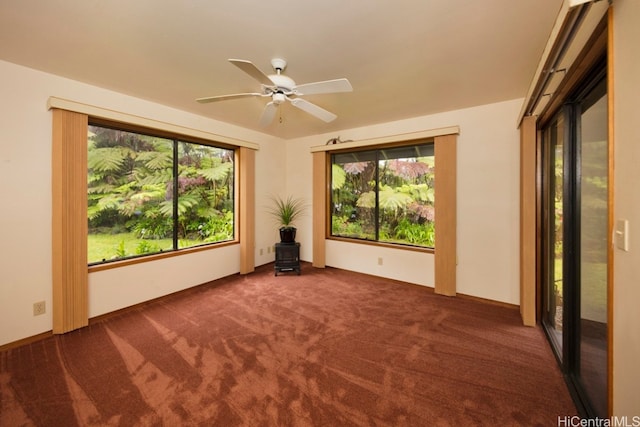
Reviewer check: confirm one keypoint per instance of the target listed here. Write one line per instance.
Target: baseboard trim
(267, 266)
(26, 341)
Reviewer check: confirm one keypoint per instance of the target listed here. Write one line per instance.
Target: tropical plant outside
(385, 195)
(594, 188)
(134, 195)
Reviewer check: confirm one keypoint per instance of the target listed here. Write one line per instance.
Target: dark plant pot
(287, 234)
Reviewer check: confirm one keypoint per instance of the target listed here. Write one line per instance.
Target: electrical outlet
(268, 249)
(260, 251)
(380, 261)
(39, 308)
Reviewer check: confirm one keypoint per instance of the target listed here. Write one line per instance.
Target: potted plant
(285, 211)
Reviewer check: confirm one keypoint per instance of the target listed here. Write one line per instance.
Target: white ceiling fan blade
(252, 70)
(268, 114)
(226, 97)
(329, 86)
(313, 109)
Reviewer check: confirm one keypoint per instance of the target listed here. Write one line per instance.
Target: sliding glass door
(553, 217)
(593, 249)
(575, 215)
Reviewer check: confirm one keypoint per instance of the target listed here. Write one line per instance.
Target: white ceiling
(403, 58)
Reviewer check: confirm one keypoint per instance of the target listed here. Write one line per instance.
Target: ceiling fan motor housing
(281, 88)
(283, 84)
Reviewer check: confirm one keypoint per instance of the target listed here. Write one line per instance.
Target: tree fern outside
(385, 195)
(149, 194)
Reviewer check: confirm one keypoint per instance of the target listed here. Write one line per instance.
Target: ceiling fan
(281, 88)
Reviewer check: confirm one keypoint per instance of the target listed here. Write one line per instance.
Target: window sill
(158, 256)
(383, 245)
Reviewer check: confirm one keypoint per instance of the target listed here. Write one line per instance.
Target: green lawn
(113, 246)
(593, 289)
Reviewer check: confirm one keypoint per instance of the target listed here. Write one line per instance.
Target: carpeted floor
(326, 348)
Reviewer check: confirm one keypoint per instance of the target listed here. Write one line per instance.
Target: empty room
(291, 213)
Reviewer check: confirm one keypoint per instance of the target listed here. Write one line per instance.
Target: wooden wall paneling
(445, 215)
(528, 249)
(320, 182)
(246, 226)
(69, 221)
(611, 207)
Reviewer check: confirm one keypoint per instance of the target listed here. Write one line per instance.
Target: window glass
(205, 194)
(132, 205)
(385, 195)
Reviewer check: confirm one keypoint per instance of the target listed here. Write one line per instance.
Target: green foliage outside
(116, 246)
(131, 194)
(405, 200)
(593, 236)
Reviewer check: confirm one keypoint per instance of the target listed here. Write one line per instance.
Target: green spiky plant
(286, 211)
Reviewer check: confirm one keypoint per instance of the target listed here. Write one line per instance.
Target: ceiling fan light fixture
(279, 98)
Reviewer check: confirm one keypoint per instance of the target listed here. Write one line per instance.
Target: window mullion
(377, 207)
(175, 194)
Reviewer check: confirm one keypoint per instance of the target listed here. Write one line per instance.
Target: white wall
(626, 288)
(488, 203)
(25, 194)
(409, 266)
(111, 290)
(270, 181)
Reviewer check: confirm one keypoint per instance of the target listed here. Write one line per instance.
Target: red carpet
(327, 348)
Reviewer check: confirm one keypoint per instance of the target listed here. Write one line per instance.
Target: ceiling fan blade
(329, 86)
(252, 70)
(313, 109)
(268, 114)
(226, 97)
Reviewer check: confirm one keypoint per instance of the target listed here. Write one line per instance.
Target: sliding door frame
(571, 110)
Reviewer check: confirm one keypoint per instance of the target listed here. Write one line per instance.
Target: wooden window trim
(69, 221)
(528, 235)
(446, 255)
(99, 113)
(383, 244)
(245, 208)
